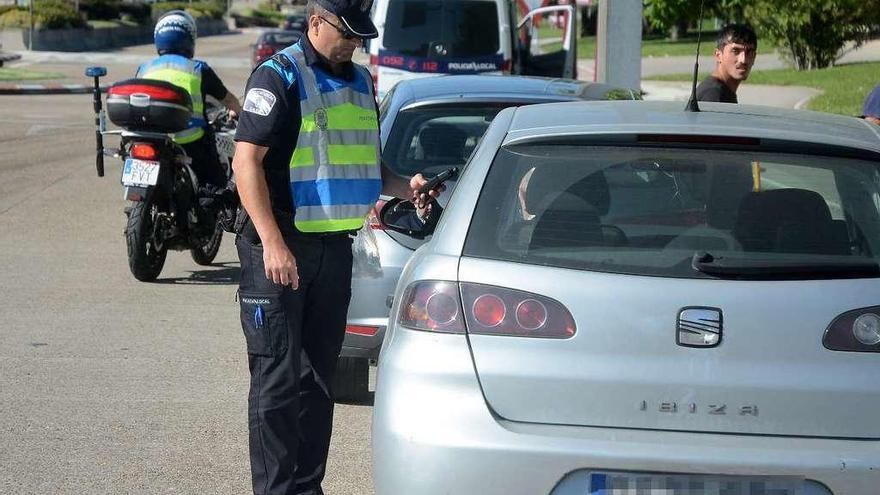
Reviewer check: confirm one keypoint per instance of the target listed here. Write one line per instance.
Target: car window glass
(442, 28)
(431, 139)
(647, 211)
(283, 39)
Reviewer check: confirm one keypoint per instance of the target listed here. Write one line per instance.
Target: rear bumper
(430, 420)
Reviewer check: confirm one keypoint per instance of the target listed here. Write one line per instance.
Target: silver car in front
(626, 298)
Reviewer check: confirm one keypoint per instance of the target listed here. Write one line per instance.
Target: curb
(48, 89)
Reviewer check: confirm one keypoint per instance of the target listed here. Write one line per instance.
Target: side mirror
(96, 72)
(402, 216)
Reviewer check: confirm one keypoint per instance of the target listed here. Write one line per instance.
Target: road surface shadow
(214, 274)
(366, 401)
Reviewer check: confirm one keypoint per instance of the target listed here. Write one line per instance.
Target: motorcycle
(167, 209)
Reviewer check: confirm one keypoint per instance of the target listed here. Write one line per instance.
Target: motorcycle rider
(175, 39)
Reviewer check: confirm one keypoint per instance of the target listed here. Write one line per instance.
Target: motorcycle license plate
(140, 172)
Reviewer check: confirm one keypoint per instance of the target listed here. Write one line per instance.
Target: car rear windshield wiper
(705, 262)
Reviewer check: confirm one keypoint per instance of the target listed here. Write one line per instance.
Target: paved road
(108, 385)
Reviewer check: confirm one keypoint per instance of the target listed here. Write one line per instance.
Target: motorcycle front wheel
(204, 255)
(146, 256)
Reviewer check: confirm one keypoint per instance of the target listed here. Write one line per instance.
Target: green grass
(844, 87)
(7, 74)
(652, 46)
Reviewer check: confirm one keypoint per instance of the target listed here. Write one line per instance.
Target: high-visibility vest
(335, 173)
(187, 74)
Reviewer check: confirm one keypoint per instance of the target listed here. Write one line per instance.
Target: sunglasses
(346, 34)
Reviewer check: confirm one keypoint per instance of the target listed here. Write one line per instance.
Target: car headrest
(593, 189)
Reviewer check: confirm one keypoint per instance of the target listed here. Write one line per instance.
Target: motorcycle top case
(148, 105)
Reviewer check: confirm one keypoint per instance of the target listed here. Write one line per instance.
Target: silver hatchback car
(429, 125)
(625, 298)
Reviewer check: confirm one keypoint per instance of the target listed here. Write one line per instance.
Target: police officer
(735, 53)
(175, 39)
(308, 171)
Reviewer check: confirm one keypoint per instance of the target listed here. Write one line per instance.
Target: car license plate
(686, 484)
(140, 172)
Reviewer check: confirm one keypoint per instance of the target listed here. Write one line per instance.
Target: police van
(421, 38)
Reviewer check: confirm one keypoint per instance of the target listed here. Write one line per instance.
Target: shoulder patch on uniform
(259, 101)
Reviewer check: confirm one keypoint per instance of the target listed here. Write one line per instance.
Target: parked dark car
(272, 41)
(296, 22)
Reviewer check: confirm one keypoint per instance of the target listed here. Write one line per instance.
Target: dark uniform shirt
(272, 118)
(211, 84)
(712, 89)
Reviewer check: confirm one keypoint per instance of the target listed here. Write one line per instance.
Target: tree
(673, 16)
(813, 34)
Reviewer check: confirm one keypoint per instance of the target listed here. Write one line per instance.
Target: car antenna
(692, 105)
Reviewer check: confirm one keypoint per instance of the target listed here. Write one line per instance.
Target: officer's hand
(280, 264)
(420, 200)
(232, 114)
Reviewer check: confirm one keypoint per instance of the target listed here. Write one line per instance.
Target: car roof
(717, 119)
(279, 31)
(504, 87)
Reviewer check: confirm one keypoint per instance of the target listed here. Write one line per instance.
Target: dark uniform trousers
(293, 341)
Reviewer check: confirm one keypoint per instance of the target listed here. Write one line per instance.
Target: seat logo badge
(699, 327)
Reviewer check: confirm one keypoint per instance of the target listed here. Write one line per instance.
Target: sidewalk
(750, 94)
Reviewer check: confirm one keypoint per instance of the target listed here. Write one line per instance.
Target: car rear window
(283, 39)
(442, 29)
(680, 212)
(430, 139)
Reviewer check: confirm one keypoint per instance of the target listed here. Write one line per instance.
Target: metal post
(31, 31)
(619, 43)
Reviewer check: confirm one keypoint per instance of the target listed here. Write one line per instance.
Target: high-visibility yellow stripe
(189, 82)
(330, 225)
(302, 157)
(351, 154)
(338, 154)
(347, 116)
(187, 138)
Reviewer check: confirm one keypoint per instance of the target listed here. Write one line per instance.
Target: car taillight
(483, 309)
(143, 151)
(265, 51)
(373, 219)
(491, 310)
(432, 305)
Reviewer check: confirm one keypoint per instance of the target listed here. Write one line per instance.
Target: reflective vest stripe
(346, 116)
(314, 226)
(339, 137)
(336, 192)
(341, 211)
(335, 177)
(337, 154)
(354, 172)
(345, 96)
